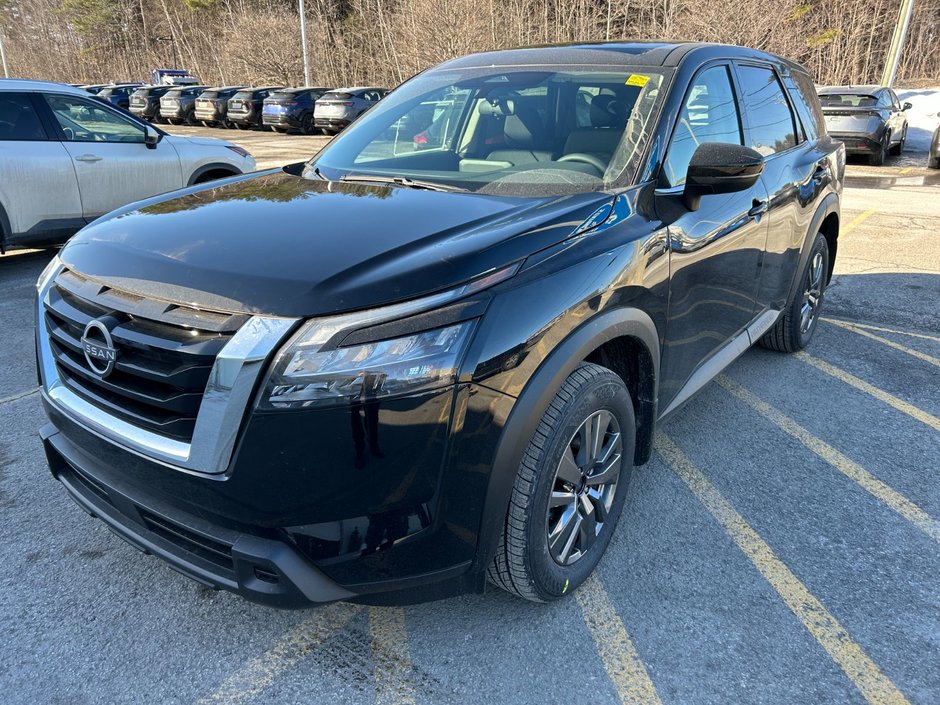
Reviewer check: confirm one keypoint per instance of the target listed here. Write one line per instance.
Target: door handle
(758, 208)
(88, 158)
(819, 173)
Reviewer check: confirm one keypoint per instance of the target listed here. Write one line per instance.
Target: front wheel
(570, 488)
(897, 149)
(798, 322)
(877, 158)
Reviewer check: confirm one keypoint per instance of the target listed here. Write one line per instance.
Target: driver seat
(608, 119)
(524, 133)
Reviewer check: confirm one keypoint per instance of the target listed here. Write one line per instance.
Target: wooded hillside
(383, 42)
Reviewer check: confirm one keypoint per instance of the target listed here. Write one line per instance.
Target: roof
(255, 89)
(301, 89)
(225, 88)
(848, 89)
(24, 84)
(351, 89)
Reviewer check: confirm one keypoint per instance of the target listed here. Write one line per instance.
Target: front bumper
(258, 568)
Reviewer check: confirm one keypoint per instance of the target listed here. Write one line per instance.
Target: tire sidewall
(819, 245)
(552, 580)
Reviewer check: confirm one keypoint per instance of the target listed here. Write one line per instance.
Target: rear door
(113, 165)
(714, 251)
(38, 188)
(795, 174)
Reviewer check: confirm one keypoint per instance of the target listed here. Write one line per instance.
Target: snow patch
(922, 118)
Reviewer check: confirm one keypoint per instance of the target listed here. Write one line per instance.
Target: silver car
(67, 158)
(339, 107)
(870, 120)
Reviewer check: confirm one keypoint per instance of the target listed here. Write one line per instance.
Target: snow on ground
(922, 119)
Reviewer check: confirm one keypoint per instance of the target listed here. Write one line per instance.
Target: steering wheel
(586, 159)
(69, 133)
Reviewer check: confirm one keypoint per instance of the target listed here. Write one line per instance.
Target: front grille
(209, 550)
(165, 352)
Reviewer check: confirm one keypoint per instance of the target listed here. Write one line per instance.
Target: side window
(894, 100)
(805, 98)
(709, 114)
(83, 121)
(18, 118)
(770, 122)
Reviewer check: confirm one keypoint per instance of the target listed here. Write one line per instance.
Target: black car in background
(145, 102)
(212, 105)
(338, 108)
(390, 374)
(178, 105)
(244, 108)
(933, 156)
(93, 88)
(291, 108)
(118, 95)
(870, 120)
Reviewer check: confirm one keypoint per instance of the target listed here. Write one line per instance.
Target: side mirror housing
(151, 137)
(907, 106)
(720, 168)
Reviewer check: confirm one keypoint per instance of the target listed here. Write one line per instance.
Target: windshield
(507, 130)
(848, 100)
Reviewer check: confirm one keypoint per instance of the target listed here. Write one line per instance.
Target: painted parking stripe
(621, 660)
(871, 484)
(857, 220)
(870, 389)
(390, 656)
(882, 329)
(261, 671)
(874, 686)
(890, 343)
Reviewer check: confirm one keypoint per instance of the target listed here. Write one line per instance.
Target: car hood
(282, 245)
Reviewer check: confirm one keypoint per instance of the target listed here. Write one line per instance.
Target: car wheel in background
(933, 162)
(190, 119)
(279, 130)
(174, 121)
(206, 123)
(877, 158)
(241, 126)
(307, 126)
(798, 322)
(570, 489)
(899, 147)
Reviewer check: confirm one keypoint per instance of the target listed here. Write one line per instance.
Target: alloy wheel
(584, 487)
(812, 296)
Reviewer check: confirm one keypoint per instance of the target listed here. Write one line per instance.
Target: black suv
(178, 105)
(145, 102)
(212, 106)
(291, 108)
(118, 95)
(244, 108)
(392, 372)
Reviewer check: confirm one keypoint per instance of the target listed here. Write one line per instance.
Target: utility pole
(3, 58)
(303, 42)
(897, 43)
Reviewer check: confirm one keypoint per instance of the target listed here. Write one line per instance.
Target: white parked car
(67, 158)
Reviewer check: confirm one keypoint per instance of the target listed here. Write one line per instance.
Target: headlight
(306, 376)
(55, 264)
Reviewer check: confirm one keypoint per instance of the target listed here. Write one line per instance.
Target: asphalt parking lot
(782, 546)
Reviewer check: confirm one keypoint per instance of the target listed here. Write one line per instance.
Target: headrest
(504, 105)
(607, 111)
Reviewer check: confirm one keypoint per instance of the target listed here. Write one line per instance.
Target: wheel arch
(626, 340)
(219, 169)
(826, 220)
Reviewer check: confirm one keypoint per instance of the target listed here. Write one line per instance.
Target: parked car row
(308, 110)
(870, 120)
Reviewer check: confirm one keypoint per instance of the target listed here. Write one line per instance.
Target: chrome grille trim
(228, 393)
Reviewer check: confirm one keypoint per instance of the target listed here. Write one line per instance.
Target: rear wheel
(306, 125)
(570, 489)
(897, 149)
(798, 322)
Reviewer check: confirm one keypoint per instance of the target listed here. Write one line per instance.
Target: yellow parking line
(874, 686)
(390, 656)
(905, 170)
(857, 220)
(890, 343)
(881, 329)
(621, 660)
(877, 488)
(261, 671)
(864, 386)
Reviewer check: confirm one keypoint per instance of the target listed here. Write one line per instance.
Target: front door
(715, 251)
(113, 165)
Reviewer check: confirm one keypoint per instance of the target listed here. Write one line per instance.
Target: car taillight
(294, 104)
(348, 103)
(420, 138)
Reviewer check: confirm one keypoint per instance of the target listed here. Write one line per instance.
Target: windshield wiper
(401, 181)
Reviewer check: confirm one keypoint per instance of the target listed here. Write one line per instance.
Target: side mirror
(907, 106)
(720, 168)
(151, 137)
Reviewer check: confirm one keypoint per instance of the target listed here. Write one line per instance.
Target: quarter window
(770, 121)
(709, 114)
(18, 119)
(83, 121)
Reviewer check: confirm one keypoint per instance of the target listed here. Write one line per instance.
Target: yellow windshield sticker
(637, 79)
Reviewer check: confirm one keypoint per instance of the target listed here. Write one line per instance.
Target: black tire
(174, 121)
(897, 149)
(790, 334)
(280, 130)
(933, 162)
(524, 564)
(307, 126)
(878, 158)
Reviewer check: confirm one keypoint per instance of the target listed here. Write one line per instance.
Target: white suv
(67, 158)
